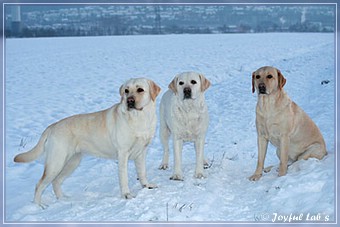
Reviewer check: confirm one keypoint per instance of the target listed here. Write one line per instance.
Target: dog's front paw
(163, 166)
(268, 169)
(128, 196)
(255, 177)
(150, 186)
(42, 206)
(176, 177)
(199, 175)
(282, 171)
(64, 198)
(206, 165)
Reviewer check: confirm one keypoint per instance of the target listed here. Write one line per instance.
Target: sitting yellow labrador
(184, 115)
(121, 132)
(282, 122)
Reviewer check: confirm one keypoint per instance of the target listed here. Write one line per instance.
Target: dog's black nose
(187, 92)
(131, 102)
(262, 88)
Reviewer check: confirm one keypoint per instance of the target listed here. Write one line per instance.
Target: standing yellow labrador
(121, 132)
(184, 115)
(283, 123)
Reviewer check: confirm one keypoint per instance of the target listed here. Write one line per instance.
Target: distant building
(16, 26)
(94, 20)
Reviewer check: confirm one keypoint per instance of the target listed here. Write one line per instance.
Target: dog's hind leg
(314, 151)
(56, 157)
(51, 171)
(68, 169)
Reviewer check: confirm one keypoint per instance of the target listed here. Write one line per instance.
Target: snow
(52, 78)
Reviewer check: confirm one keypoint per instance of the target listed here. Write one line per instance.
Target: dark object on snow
(324, 82)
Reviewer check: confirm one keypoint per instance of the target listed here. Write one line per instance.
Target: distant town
(101, 20)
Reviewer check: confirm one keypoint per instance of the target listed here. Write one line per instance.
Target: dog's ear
(121, 92)
(253, 82)
(173, 85)
(205, 83)
(154, 90)
(281, 79)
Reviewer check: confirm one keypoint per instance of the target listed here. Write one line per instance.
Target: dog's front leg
(199, 147)
(178, 146)
(141, 171)
(262, 144)
(123, 174)
(284, 144)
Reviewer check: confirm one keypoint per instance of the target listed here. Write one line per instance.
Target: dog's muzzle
(131, 102)
(187, 93)
(262, 88)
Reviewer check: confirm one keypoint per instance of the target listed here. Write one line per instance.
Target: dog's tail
(36, 151)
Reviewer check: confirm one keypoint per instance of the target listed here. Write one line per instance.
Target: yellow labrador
(121, 132)
(283, 123)
(184, 115)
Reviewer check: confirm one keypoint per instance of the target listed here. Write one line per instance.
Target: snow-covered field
(50, 79)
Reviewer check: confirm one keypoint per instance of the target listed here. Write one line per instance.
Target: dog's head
(189, 85)
(137, 93)
(267, 80)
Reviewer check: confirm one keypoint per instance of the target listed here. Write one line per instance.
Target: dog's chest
(270, 129)
(269, 124)
(132, 132)
(143, 125)
(190, 121)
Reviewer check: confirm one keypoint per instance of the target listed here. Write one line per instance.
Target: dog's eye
(193, 82)
(139, 90)
(127, 91)
(181, 83)
(269, 76)
(258, 76)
